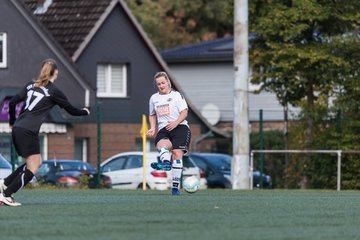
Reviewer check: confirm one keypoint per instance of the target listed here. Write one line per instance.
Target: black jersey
(38, 103)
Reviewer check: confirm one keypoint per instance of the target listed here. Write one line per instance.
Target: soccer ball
(191, 184)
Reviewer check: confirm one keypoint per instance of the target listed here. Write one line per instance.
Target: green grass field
(210, 214)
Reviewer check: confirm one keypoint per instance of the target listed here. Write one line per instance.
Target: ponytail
(47, 71)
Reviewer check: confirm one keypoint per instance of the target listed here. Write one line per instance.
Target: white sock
(176, 172)
(165, 154)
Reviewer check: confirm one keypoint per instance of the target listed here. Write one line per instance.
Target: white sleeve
(151, 106)
(182, 105)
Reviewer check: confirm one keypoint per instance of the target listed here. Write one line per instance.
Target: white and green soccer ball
(191, 184)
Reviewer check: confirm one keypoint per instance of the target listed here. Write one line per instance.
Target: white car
(126, 171)
(5, 167)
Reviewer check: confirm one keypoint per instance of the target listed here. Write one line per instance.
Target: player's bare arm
(174, 124)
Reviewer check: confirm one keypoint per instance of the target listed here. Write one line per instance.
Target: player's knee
(177, 163)
(164, 143)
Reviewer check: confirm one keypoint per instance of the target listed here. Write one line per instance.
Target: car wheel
(140, 187)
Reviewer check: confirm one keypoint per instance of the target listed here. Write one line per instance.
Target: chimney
(42, 6)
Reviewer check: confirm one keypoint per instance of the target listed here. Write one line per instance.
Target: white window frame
(3, 64)
(108, 79)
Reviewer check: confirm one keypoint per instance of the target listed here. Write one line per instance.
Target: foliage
(300, 50)
(170, 23)
(303, 51)
(274, 164)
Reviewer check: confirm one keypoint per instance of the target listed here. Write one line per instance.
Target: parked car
(5, 167)
(67, 173)
(126, 171)
(217, 168)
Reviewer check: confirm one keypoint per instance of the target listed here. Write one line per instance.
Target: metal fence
(337, 152)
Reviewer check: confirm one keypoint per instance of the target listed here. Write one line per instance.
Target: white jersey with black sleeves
(167, 107)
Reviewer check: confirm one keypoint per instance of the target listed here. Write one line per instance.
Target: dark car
(70, 173)
(217, 168)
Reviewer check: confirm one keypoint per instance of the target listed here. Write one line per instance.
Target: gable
(27, 46)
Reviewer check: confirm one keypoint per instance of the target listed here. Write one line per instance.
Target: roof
(221, 49)
(70, 21)
(218, 50)
(55, 48)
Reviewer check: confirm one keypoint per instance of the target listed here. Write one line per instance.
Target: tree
(171, 23)
(301, 50)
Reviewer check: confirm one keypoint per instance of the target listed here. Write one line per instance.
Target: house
(205, 71)
(24, 45)
(106, 62)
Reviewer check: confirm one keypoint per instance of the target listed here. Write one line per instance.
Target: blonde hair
(162, 74)
(48, 68)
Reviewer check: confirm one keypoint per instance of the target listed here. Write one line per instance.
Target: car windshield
(73, 166)
(220, 162)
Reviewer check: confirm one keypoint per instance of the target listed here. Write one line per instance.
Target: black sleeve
(19, 97)
(75, 111)
(60, 99)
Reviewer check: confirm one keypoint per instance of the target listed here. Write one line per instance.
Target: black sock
(20, 181)
(8, 180)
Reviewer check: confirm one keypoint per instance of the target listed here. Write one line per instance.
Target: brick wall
(61, 146)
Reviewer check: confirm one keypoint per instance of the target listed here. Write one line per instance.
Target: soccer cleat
(9, 201)
(2, 186)
(175, 192)
(166, 166)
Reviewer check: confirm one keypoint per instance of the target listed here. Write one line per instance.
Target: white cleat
(2, 186)
(9, 201)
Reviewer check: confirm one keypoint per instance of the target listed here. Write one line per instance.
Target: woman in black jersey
(40, 96)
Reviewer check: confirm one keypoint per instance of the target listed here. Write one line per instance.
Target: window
(80, 151)
(3, 52)
(114, 165)
(133, 162)
(111, 80)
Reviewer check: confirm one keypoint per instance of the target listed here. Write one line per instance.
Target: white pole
(240, 163)
(339, 171)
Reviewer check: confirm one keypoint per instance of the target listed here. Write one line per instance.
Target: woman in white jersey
(170, 109)
(40, 96)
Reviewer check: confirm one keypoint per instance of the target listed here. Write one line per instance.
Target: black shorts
(25, 141)
(179, 137)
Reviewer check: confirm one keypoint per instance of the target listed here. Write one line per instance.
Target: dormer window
(3, 50)
(42, 6)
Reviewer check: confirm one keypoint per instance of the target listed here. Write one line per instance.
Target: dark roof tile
(221, 49)
(70, 21)
(214, 50)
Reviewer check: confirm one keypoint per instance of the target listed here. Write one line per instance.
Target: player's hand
(87, 110)
(150, 132)
(171, 126)
(11, 126)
